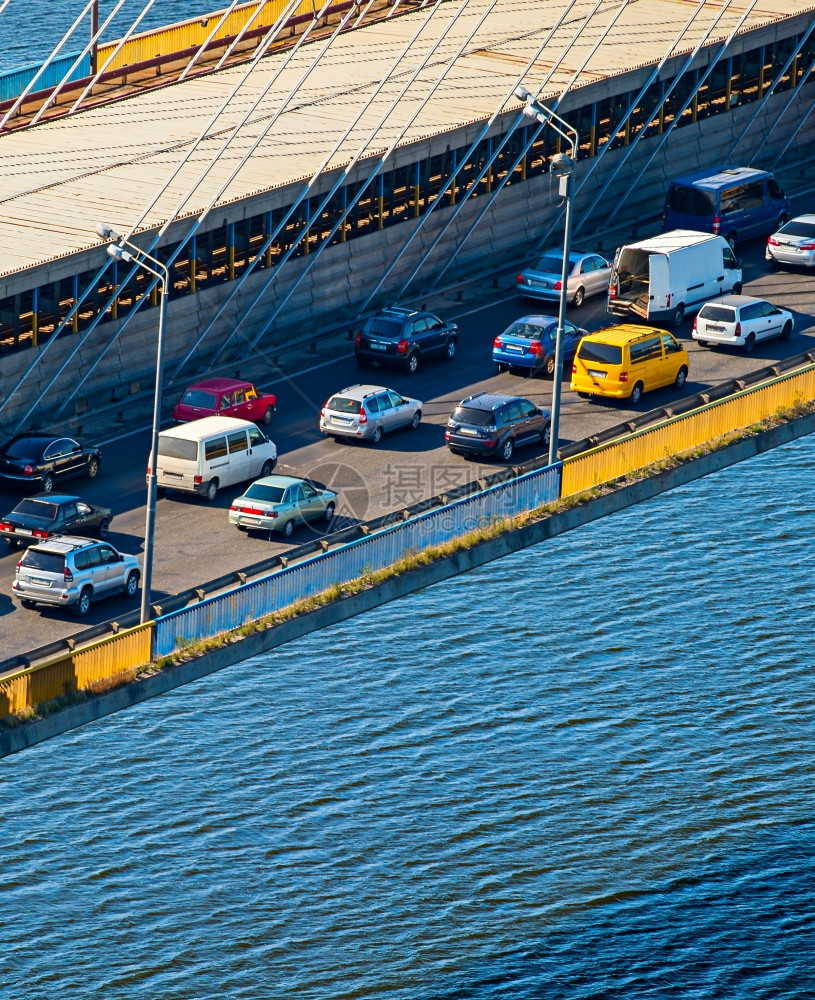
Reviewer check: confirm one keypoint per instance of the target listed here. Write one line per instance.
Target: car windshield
(344, 404)
(46, 562)
(382, 328)
(470, 415)
(798, 228)
(719, 314)
(196, 397)
(37, 508)
(689, 200)
(261, 491)
(549, 264)
(607, 354)
(529, 331)
(25, 448)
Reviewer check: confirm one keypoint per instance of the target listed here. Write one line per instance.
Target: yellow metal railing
(193, 33)
(77, 670)
(682, 433)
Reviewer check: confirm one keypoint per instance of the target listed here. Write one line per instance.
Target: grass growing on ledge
(496, 527)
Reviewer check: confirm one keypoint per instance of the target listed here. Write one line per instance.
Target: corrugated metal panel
(76, 671)
(378, 551)
(682, 433)
(108, 162)
(13, 83)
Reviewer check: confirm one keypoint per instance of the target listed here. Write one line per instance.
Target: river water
(582, 771)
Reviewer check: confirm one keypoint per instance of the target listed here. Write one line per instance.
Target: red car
(226, 396)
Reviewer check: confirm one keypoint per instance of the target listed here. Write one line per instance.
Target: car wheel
(242, 527)
(749, 343)
(450, 349)
(266, 470)
(103, 528)
(783, 219)
(731, 240)
(28, 605)
(681, 377)
(499, 368)
(267, 416)
(376, 437)
(93, 468)
(417, 419)
(679, 314)
(83, 605)
(507, 449)
(546, 435)
(549, 366)
(579, 298)
(736, 289)
(412, 365)
(131, 584)
(787, 331)
(328, 515)
(584, 395)
(212, 490)
(47, 483)
(702, 343)
(636, 393)
(288, 529)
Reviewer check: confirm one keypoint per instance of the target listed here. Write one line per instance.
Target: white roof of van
(676, 239)
(194, 430)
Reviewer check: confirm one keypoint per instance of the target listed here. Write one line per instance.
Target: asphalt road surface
(194, 542)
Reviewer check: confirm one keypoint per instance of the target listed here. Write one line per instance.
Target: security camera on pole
(562, 166)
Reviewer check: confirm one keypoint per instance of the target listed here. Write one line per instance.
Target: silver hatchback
(366, 412)
(72, 572)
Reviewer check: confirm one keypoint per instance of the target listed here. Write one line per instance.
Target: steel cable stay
(467, 156)
(269, 240)
(231, 47)
(635, 103)
(800, 125)
(203, 46)
(780, 115)
(446, 68)
(131, 274)
(225, 184)
(501, 146)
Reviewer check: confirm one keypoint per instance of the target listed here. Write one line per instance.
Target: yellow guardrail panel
(193, 33)
(684, 432)
(76, 670)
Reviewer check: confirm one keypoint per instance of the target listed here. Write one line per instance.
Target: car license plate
(345, 421)
(513, 348)
(595, 374)
(379, 347)
(39, 582)
(467, 432)
(173, 475)
(252, 520)
(22, 531)
(716, 327)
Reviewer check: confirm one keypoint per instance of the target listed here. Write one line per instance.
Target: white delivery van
(205, 455)
(672, 275)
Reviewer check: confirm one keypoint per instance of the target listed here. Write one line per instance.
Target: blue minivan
(734, 202)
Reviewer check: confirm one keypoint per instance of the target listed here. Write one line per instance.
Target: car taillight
(363, 416)
(623, 376)
(557, 286)
(534, 347)
(447, 435)
(738, 329)
(67, 575)
(717, 224)
(694, 323)
(322, 412)
(402, 346)
(498, 343)
(520, 279)
(198, 480)
(149, 470)
(668, 301)
(612, 291)
(806, 246)
(358, 339)
(574, 369)
(6, 527)
(28, 470)
(38, 533)
(772, 242)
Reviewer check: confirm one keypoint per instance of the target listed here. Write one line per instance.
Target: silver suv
(73, 572)
(367, 412)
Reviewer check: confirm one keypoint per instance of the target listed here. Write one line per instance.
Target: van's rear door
(660, 295)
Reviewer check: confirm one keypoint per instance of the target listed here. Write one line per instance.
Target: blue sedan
(530, 343)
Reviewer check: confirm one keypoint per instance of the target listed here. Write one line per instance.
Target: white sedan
(740, 321)
(794, 243)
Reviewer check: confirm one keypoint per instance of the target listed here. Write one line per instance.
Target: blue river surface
(582, 771)
(30, 31)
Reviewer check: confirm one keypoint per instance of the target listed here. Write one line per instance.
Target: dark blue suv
(493, 425)
(403, 338)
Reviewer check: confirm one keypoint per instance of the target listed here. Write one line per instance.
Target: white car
(366, 412)
(794, 243)
(740, 321)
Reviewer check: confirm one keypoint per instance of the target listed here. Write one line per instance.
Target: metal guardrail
(13, 82)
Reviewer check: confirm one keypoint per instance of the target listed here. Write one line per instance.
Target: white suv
(73, 572)
(366, 412)
(740, 321)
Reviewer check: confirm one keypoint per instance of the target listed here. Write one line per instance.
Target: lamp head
(523, 94)
(106, 233)
(561, 165)
(119, 253)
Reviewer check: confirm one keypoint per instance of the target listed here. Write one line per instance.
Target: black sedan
(39, 460)
(48, 514)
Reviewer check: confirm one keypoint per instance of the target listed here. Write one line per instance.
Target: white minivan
(205, 455)
(671, 276)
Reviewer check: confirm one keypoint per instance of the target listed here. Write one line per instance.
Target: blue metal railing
(14, 82)
(376, 551)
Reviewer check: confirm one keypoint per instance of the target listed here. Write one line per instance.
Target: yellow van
(627, 360)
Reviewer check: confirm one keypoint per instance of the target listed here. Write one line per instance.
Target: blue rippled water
(583, 771)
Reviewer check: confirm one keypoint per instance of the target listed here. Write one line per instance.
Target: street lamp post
(562, 166)
(136, 255)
